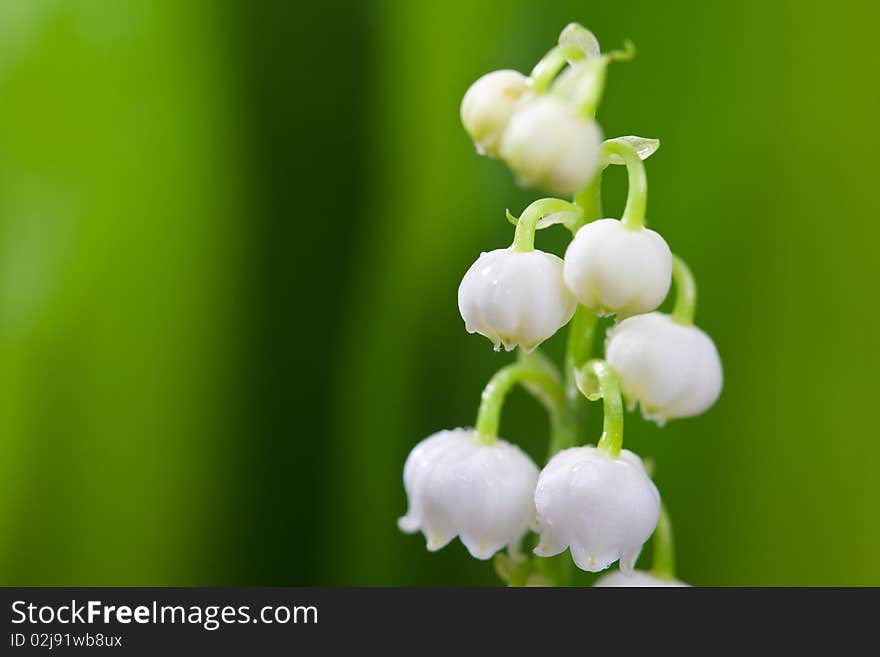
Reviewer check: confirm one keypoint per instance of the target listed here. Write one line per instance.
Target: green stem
(579, 347)
(581, 334)
(637, 195)
(545, 71)
(524, 236)
(492, 401)
(592, 87)
(598, 379)
(685, 292)
(513, 567)
(664, 547)
(589, 200)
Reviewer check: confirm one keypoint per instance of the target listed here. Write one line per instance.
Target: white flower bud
(458, 485)
(612, 268)
(600, 507)
(670, 369)
(515, 298)
(548, 145)
(488, 105)
(638, 579)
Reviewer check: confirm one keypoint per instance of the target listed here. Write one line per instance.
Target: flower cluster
(599, 502)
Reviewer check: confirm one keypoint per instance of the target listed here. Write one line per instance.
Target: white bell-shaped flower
(671, 370)
(548, 145)
(488, 105)
(600, 507)
(459, 485)
(515, 298)
(616, 269)
(637, 579)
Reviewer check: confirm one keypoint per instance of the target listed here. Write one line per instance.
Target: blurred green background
(231, 235)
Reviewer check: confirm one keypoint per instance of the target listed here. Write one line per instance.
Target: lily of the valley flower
(549, 145)
(515, 298)
(616, 269)
(672, 370)
(457, 484)
(488, 105)
(637, 579)
(603, 508)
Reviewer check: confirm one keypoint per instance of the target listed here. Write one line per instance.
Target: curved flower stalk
(620, 267)
(667, 365)
(596, 502)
